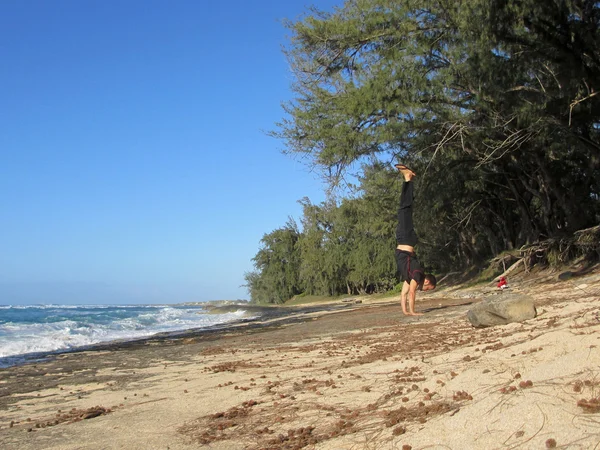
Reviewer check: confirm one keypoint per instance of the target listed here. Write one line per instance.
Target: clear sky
(134, 163)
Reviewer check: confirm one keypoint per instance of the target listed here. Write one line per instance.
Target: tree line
(495, 105)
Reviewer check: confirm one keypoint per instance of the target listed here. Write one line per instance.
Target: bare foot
(406, 172)
(415, 314)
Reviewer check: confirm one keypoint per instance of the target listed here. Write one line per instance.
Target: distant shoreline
(267, 316)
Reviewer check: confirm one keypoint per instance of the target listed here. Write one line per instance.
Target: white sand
(515, 386)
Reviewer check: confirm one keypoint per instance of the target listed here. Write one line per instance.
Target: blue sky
(134, 164)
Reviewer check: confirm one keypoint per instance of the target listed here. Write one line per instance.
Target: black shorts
(409, 267)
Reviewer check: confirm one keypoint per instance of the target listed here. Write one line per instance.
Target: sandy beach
(361, 376)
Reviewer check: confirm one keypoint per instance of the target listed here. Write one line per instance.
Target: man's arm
(412, 294)
(403, 295)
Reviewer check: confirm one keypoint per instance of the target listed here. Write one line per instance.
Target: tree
(494, 100)
(495, 105)
(276, 278)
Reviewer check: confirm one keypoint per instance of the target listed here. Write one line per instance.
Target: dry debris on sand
(366, 377)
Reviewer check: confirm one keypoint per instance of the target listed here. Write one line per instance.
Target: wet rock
(501, 310)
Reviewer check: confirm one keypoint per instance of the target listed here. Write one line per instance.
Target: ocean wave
(60, 306)
(92, 325)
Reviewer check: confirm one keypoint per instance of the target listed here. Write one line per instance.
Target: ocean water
(30, 332)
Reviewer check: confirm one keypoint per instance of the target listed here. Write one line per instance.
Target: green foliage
(495, 105)
(276, 278)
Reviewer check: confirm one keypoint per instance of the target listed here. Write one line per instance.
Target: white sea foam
(81, 327)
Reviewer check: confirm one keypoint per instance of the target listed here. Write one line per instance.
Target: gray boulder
(502, 309)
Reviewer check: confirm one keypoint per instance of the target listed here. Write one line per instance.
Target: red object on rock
(502, 283)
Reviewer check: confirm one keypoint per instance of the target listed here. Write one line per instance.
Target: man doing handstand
(409, 268)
